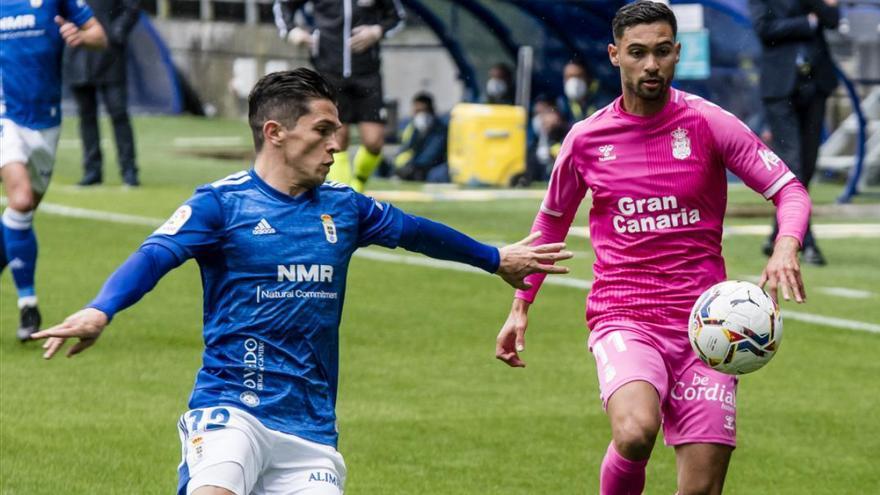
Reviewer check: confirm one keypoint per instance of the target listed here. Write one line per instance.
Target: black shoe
(813, 256)
(30, 323)
(767, 248)
(90, 181)
(131, 180)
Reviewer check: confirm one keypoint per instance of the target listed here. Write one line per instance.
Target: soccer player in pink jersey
(655, 162)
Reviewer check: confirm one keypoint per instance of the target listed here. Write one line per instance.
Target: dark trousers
(116, 102)
(796, 124)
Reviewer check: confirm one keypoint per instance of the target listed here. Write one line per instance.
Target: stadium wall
(222, 61)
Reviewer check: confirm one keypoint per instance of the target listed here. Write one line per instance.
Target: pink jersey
(659, 193)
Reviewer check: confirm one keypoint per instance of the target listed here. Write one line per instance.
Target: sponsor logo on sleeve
(771, 160)
(176, 222)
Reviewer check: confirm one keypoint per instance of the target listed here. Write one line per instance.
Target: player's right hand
(511, 339)
(86, 325)
(70, 32)
(300, 37)
(520, 260)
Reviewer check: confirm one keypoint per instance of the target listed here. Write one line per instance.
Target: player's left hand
(520, 260)
(86, 324)
(363, 37)
(70, 32)
(783, 271)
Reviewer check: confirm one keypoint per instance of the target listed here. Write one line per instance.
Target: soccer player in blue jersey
(32, 37)
(273, 244)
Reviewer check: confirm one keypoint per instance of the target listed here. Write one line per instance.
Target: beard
(651, 94)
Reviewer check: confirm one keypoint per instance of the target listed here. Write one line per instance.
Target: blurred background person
(422, 155)
(344, 47)
(90, 73)
(30, 125)
(547, 129)
(580, 92)
(797, 76)
(500, 87)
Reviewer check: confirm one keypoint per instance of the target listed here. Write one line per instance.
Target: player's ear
(273, 132)
(677, 52)
(612, 54)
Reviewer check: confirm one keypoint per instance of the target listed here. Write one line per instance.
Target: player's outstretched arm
(783, 271)
(511, 339)
(520, 260)
(134, 278)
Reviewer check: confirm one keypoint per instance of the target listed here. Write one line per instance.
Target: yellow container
(487, 144)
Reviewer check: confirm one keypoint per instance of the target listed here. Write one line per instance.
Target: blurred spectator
(579, 99)
(344, 43)
(500, 85)
(548, 126)
(423, 154)
(90, 73)
(797, 76)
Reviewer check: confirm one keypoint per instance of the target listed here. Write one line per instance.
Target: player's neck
(277, 176)
(634, 105)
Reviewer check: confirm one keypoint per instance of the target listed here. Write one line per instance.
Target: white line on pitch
(390, 257)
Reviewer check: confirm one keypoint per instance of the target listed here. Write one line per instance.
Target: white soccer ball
(735, 327)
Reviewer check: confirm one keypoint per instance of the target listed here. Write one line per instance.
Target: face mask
(422, 121)
(575, 88)
(536, 124)
(496, 88)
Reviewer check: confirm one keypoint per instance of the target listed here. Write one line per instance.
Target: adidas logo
(263, 228)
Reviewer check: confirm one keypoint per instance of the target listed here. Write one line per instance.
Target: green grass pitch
(424, 408)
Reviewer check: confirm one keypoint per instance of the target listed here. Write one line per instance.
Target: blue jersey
(30, 59)
(273, 268)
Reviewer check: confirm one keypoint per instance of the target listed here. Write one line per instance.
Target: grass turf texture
(423, 405)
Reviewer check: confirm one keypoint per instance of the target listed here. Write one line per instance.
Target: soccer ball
(735, 327)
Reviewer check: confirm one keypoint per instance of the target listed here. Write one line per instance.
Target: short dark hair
(284, 96)
(426, 99)
(642, 12)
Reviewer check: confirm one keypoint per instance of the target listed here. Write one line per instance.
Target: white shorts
(34, 147)
(227, 447)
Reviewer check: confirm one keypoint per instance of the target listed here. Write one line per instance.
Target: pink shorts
(698, 403)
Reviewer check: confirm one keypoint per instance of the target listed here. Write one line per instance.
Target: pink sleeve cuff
(792, 210)
(553, 229)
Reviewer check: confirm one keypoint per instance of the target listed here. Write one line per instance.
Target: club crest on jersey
(329, 228)
(607, 153)
(36, 3)
(681, 144)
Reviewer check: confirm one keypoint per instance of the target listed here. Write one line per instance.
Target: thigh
(44, 146)
(343, 97)
(86, 100)
(812, 116)
(701, 405)
(366, 98)
(624, 355)
(301, 467)
(702, 467)
(220, 447)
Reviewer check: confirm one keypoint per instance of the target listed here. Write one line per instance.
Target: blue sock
(21, 249)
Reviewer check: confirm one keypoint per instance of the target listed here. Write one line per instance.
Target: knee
(703, 485)
(21, 199)
(373, 141)
(635, 434)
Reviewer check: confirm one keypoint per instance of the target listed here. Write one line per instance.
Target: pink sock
(620, 476)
